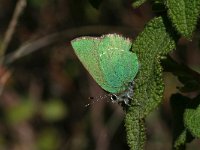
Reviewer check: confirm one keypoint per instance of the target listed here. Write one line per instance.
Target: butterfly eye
(113, 97)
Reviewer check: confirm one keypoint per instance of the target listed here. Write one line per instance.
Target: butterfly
(110, 62)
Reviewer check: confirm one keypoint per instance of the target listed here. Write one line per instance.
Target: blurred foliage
(54, 110)
(20, 112)
(48, 140)
(37, 3)
(95, 3)
(187, 76)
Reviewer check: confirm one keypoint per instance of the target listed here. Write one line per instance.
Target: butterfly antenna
(97, 99)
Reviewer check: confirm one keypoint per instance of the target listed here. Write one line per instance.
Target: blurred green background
(44, 87)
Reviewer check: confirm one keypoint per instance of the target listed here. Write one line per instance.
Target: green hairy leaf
(137, 3)
(184, 15)
(135, 132)
(153, 43)
(180, 141)
(186, 120)
(192, 121)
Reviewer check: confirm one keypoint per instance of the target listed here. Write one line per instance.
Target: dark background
(44, 87)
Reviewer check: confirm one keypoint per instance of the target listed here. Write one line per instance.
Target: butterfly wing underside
(108, 59)
(86, 48)
(118, 63)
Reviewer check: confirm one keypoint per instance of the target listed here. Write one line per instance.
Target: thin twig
(4, 76)
(63, 36)
(12, 25)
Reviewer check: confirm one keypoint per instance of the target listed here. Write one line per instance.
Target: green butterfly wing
(108, 60)
(118, 63)
(86, 48)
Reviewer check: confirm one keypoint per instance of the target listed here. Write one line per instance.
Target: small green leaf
(184, 15)
(178, 104)
(192, 121)
(181, 140)
(137, 3)
(181, 134)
